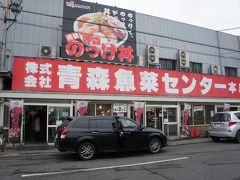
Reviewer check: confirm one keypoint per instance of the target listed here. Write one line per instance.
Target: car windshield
(221, 117)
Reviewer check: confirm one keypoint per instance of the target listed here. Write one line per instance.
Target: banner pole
(21, 136)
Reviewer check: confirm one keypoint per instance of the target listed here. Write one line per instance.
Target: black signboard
(98, 33)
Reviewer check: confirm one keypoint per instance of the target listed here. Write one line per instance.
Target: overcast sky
(213, 14)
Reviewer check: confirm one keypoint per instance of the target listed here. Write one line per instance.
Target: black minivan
(91, 134)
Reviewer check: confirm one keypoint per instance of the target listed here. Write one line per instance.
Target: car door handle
(128, 132)
(95, 132)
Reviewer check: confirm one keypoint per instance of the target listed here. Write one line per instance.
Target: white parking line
(102, 168)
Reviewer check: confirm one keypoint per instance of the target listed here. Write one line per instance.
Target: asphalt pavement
(10, 151)
(187, 159)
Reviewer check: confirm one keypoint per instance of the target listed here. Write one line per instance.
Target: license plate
(217, 125)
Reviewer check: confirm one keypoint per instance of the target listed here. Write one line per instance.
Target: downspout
(219, 53)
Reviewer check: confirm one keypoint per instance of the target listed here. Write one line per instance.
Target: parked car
(91, 134)
(225, 125)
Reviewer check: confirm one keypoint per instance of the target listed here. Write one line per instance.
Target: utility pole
(6, 12)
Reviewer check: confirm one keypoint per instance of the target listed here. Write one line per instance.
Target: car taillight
(230, 123)
(64, 132)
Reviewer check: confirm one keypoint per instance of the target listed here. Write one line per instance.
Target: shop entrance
(35, 124)
(163, 118)
(154, 117)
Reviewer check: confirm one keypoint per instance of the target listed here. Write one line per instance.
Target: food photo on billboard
(98, 33)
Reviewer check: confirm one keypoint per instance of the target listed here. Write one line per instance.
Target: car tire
(86, 151)
(215, 139)
(237, 138)
(154, 145)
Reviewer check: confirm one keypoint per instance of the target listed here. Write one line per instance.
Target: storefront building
(163, 64)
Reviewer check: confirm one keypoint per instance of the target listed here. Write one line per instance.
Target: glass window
(90, 110)
(55, 114)
(230, 71)
(198, 114)
(81, 123)
(167, 64)
(221, 117)
(51, 134)
(238, 115)
(150, 117)
(103, 109)
(172, 114)
(196, 67)
(104, 124)
(127, 123)
(131, 112)
(209, 111)
(172, 130)
(6, 117)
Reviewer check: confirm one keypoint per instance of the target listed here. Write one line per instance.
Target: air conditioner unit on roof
(183, 59)
(152, 54)
(47, 51)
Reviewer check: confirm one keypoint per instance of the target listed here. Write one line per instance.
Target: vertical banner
(226, 107)
(16, 112)
(138, 111)
(187, 110)
(81, 108)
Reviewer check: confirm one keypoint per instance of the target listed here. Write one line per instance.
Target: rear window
(238, 115)
(221, 117)
(66, 121)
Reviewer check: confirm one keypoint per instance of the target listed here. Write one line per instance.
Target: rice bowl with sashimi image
(110, 30)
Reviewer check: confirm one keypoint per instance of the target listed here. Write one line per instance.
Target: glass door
(55, 114)
(154, 117)
(170, 121)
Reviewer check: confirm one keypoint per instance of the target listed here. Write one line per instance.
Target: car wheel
(237, 138)
(215, 139)
(86, 151)
(154, 145)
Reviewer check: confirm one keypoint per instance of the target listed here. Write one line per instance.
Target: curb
(180, 142)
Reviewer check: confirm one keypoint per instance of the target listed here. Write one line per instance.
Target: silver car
(225, 125)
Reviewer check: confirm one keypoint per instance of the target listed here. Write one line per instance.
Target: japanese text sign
(98, 32)
(81, 77)
(119, 108)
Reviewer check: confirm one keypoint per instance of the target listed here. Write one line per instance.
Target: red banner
(82, 77)
(16, 110)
